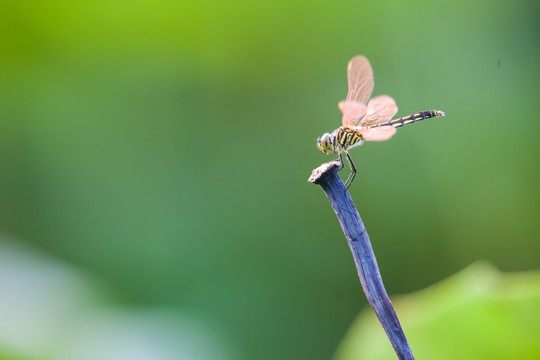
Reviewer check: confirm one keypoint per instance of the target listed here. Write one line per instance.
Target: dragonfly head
(326, 143)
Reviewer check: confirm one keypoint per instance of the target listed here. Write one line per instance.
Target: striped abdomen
(409, 119)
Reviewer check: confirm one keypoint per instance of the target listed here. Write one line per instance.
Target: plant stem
(327, 176)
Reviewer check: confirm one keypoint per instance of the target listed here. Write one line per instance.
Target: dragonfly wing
(382, 133)
(352, 111)
(380, 109)
(360, 82)
(360, 79)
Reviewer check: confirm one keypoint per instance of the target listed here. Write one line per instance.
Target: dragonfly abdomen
(346, 137)
(413, 118)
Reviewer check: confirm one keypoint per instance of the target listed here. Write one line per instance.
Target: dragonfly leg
(353, 172)
(340, 161)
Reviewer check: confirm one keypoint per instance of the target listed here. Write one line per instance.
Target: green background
(164, 148)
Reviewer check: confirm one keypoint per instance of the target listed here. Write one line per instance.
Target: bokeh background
(154, 158)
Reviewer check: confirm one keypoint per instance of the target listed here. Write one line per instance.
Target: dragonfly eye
(324, 143)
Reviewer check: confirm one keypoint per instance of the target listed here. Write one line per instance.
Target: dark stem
(326, 175)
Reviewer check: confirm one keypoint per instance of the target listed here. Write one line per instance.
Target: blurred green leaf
(479, 313)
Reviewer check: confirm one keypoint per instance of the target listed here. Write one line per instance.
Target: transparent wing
(382, 133)
(352, 111)
(380, 109)
(360, 81)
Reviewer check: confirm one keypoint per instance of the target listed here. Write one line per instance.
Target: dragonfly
(363, 120)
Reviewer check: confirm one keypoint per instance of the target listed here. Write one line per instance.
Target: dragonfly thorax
(346, 138)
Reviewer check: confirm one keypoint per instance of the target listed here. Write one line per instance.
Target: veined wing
(352, 111)
(360, 82)
(381, 133)
(360, 79)
(380, 109)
